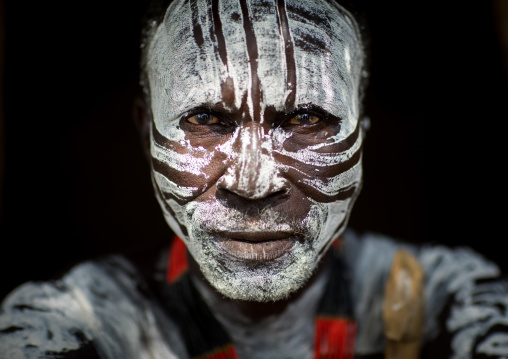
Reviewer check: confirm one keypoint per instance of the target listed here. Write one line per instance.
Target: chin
(254, 281)
(265, 279)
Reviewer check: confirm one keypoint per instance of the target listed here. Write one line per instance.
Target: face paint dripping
(257, 58)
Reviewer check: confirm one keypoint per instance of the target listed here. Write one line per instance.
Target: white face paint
(255, 135)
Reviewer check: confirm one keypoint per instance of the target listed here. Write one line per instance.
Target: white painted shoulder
(460, 277)
(97, 303)
(478, 318)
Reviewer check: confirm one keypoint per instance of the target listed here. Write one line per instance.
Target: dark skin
(244, 151)
(255, 311)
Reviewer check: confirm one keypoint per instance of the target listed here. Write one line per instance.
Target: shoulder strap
(335, 327)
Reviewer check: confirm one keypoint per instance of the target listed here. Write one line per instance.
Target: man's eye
(304, 119)
(203, 119)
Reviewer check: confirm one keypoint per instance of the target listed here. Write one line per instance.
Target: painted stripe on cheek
(169, 187)
(307, 163)
(167, 208)
(333, 186)
(184, 194)
(163, 150)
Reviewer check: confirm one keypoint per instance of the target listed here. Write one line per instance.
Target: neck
(258, 329)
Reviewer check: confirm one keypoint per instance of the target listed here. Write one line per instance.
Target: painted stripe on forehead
(196, 27)
(217, 32)
(282, 21)
(227, 85)
(301, 13)
(252, 51)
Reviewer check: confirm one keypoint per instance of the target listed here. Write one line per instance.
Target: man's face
(255, 139)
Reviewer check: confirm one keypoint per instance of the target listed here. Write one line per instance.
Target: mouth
(256, 246)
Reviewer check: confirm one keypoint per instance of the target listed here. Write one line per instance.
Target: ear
(142, 118)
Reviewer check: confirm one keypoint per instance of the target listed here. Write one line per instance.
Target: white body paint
(450, 275)
(102, 300)
(183, 76)
(288, 335)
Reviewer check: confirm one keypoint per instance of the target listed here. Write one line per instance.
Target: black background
(76, 184)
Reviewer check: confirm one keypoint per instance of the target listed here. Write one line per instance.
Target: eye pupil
(202, 118)
(304, 118)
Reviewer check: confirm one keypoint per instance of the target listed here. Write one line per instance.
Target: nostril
(281, 194)
(248, 204)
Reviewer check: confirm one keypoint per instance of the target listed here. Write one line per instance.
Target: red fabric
(177, 260)
(227, 352)
(334, 338)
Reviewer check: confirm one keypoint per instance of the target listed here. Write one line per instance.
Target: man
(252, 123)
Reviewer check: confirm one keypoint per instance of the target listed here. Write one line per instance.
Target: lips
(256, 246)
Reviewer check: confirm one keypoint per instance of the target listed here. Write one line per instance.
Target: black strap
(200, 329)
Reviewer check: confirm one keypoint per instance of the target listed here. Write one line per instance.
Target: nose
(253, 173)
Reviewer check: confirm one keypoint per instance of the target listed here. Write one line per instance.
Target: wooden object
(403, 307)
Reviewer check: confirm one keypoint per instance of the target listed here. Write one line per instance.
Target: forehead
(274, 53)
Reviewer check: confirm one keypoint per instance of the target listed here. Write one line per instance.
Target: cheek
(299, 140)
(325, 167)
(183, 171)
(336, 214)
(324, 177)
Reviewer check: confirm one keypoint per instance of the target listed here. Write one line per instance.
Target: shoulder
(100, 309)
(467, 303)
(466, 296)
